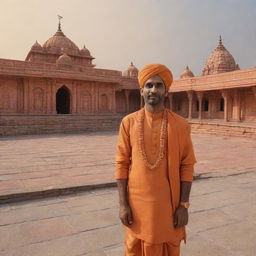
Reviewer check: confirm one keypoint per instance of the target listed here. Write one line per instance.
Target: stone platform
(222, 222)
(45, 165)
(12, 125)
(222, 128)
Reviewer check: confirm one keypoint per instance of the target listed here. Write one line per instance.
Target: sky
(176, 33)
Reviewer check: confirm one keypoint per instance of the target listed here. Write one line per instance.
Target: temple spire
(59, 26)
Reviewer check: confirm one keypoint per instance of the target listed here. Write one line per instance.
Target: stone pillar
(236, 111)
(74, 95)
(114, 100)
(26, 95)
(225, 95)
(20, 95)
(48, 95)
(200, 100)
(212, 106)
(190, 104)
(127, 93)
(170, 96)
(54, 91)
(97, 92)
(93, 98)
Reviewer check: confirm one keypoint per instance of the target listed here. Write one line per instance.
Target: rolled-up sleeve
(188, 158)
(123, 151)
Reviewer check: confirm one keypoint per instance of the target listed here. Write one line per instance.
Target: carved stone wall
(38, 96)
(120, 102)
(249, 105)
(10, 96)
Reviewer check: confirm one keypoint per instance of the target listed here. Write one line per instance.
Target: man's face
(154, 91)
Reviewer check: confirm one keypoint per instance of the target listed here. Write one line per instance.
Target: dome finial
(220, 40)
(59, 26)
(131, 63)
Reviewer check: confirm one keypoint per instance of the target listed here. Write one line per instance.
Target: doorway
(63, 100)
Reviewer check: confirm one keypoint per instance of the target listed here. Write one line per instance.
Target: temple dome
(59, 43)
(36, 46)
(220, 61)
(187, 73)
(85, 52)
(64, 61)
(131, 71)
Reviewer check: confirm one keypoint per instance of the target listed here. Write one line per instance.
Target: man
(154, 170)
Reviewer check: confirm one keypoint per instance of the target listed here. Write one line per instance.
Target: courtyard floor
(40, 163)
(222, 222)
(223, 198)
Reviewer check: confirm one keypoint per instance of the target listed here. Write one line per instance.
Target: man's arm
(123, 155)
(125, 213)
(185, 191)
(181, 213)
(186, 176)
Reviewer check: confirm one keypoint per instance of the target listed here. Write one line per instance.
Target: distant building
(223, 92)
(57, 79)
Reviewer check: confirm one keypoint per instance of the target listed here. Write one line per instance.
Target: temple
(223, 92)
(57, 85)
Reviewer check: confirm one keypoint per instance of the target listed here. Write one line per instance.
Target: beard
(154, 99)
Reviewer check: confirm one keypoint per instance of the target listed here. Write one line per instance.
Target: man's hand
(125, 215)
(180, 217)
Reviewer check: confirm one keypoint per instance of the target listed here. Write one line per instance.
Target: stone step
(17, 197)
(50, 124)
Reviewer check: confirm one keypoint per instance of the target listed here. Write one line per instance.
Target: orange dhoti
(138, 247)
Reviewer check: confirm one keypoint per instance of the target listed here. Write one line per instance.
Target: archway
(63, 100)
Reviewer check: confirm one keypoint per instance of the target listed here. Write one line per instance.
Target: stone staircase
(11, 125)
(232, 129)
(49, 124)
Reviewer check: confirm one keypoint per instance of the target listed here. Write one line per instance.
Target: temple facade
(57, 78)
(222, 93)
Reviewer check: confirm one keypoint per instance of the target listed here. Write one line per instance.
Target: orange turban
(155, 69)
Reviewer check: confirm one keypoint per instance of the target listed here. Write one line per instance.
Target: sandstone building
(58, 88)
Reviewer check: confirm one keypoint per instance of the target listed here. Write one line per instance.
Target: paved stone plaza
(35, 163)
(222, 215)
(222, 222)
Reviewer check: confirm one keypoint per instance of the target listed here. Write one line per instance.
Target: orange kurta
(154, 193)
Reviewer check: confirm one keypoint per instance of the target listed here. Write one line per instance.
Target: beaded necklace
(162, 140)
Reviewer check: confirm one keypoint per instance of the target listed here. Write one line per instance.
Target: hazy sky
(173, 32)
